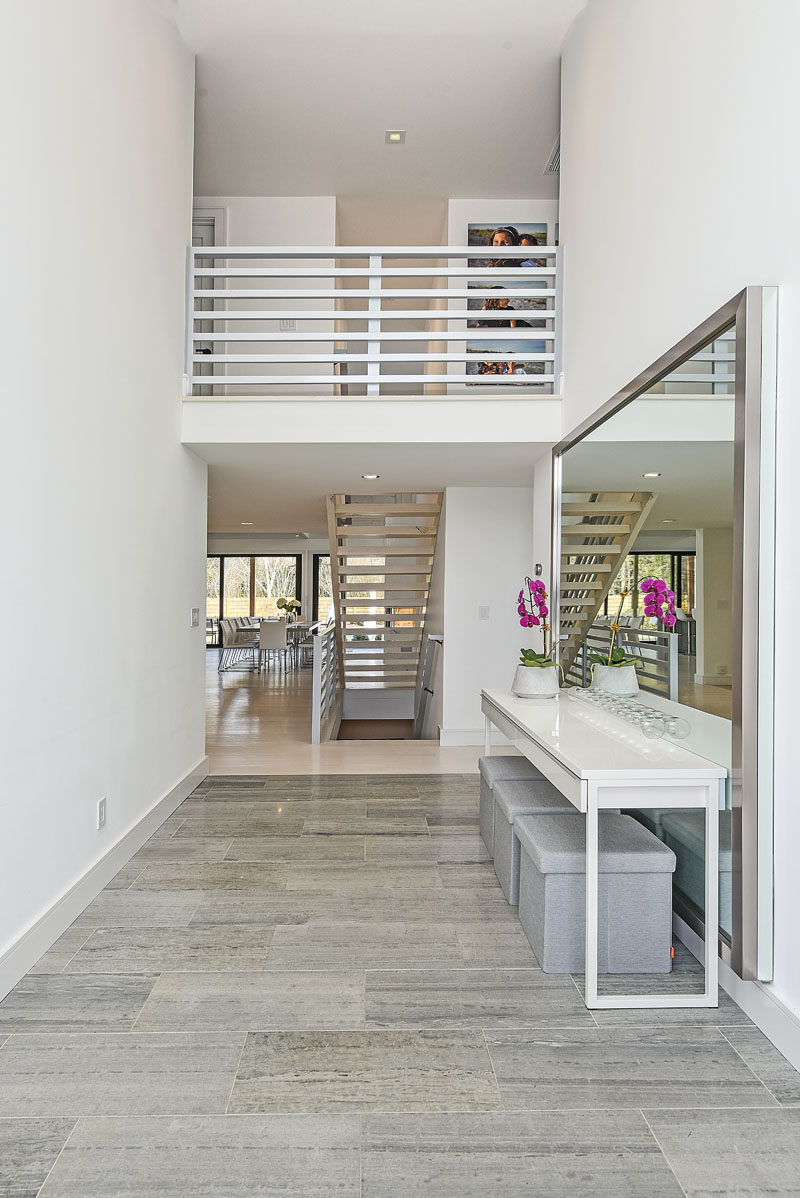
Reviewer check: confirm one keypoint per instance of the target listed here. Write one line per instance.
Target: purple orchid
(659, 601)
(533, 612)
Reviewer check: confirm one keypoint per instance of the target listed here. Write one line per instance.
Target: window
(323, 590)
(675, 569)
(250, 585)
(212, 587)
(274, 578)
(236, 587)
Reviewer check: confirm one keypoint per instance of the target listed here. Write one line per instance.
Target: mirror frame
(753, 314)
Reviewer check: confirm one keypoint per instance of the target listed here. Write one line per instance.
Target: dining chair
(272, 639)
(238, 640)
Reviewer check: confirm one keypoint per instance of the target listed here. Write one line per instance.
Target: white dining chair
(237, 643)
(272, 639)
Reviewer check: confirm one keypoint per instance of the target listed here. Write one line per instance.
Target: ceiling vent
(554, 161)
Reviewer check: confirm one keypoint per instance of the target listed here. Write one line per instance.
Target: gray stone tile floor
(314, 986)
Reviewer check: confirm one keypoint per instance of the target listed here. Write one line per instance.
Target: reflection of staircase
(381, 559)
(598, 529)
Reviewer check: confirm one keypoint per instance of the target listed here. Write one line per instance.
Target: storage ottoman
(635, 894)
(494, 769)
(532, 796)
(651, 817)
(685, 833)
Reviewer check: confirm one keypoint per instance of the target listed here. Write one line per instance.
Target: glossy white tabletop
(590, 743)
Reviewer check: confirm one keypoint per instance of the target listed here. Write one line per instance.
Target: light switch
(483, 613)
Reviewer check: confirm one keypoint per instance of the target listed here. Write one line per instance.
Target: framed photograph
(495, 238)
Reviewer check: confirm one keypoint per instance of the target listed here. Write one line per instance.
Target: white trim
(470, 737)
(43, 933)
(216, 215)
(771, 1016)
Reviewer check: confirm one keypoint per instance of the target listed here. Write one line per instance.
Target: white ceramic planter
(535, 682)
(615, 680)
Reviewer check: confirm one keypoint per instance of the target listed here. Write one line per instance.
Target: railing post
(672, 646)
(316, 691)
(558, 305)
(374, 325)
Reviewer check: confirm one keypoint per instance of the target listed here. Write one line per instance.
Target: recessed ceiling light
(667, 521)
(652, 474)
(395, 137)
(247, 523)
(370, 476)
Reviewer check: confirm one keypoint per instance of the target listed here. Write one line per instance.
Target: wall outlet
(483, 612)
(195, 618)
(101, 813)
(722, 669)
(287, 326)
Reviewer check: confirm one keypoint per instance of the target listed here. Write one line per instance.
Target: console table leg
(592, 896)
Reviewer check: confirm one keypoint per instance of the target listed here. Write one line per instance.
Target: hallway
(261, 723)
(308, 986)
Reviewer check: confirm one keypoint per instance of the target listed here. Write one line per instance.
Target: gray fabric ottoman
(685, 833)
(495, 769)
(651, 817)
(635, 905)
(531, 796)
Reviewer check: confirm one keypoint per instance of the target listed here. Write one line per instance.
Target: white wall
(542, 516)
(678, 187)
(102, 675)
(714, 605)
(274, 221)
(488, 535)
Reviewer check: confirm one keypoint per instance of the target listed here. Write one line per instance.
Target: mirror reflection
(647, 510)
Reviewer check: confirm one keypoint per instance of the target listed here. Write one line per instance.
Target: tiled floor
(313, 986)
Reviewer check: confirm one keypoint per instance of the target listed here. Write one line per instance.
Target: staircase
(382, 549)
(598, 530)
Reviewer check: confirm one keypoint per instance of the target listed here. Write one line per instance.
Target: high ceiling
(294, 99)
(282, 488)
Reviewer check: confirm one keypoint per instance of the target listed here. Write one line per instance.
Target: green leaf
(529, 657)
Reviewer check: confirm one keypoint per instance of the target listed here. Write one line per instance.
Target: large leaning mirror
(668, 492)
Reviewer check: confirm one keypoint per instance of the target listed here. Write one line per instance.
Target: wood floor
(261, 724)
(716, 700)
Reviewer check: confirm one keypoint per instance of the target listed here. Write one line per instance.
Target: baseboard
(43, 933)
(713, 680)
(469, 737)
(771, 1016)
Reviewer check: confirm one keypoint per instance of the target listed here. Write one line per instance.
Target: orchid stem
(615, 626)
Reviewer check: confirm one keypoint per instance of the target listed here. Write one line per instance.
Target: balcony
(372, 323)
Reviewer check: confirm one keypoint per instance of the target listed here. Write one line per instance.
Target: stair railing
(654, 649)
(326, 700)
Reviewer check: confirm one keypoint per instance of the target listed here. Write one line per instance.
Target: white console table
(598, 761)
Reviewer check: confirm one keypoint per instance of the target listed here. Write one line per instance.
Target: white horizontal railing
(654, 650)
(365, 321)
(325, 705)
